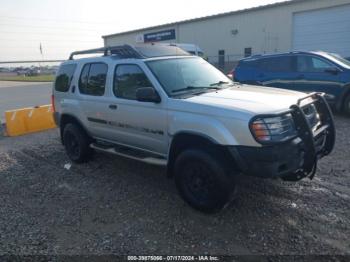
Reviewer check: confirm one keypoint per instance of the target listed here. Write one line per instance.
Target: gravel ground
(114, 205)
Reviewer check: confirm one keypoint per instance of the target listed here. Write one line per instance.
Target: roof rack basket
(122, 51)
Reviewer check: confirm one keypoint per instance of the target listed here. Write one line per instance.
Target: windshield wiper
(219, 83)
(194, 88)
(184, 89)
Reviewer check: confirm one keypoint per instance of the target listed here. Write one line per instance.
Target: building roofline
(261, 7)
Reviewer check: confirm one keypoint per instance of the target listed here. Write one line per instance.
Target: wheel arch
(70, 119)
(187, 139)
(342, 97)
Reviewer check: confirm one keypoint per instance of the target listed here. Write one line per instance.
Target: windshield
(187, 75)
(339, 59)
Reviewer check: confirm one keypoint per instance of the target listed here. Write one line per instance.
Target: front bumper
(269, 161)
(294, 159)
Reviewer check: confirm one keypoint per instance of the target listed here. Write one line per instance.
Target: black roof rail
(122, 51)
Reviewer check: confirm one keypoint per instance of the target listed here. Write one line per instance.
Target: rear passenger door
(276, 72)
(139, 124)
(92, 92)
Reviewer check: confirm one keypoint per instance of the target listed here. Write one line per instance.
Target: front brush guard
(326, 131)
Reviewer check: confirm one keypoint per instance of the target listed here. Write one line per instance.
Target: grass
(40, 78)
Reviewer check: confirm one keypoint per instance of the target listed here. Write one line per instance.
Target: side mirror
(147, 94)
(332, 70)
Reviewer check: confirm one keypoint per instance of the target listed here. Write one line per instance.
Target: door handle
(113, 107)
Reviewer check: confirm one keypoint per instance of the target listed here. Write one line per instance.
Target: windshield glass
(337, 58)
(187, 75)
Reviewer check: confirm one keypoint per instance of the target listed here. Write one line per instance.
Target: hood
(250, 99)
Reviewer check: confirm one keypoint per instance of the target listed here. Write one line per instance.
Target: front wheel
(202, 180)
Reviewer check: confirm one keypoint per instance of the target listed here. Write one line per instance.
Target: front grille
(312, 116)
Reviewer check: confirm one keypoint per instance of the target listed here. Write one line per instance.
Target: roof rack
(122, 51)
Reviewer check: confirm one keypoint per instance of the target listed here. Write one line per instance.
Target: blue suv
(300, 71)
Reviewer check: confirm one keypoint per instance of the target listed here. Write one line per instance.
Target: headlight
(273, 129)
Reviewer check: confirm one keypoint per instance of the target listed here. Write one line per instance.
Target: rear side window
(93, 79)
(128, 78)
(64, 77)
(276, 64)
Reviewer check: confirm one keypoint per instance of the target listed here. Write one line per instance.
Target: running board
(131, 153)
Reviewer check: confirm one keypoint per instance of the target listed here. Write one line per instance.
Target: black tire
(202, 180)
(346, 105)
(76, 143)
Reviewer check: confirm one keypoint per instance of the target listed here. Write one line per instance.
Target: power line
(47, 45)
(48, 33)
(31, 61)
(49, 40)
(59, 28)
(51, 47)
(57, 20)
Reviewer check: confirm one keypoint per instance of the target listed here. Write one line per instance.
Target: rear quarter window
(64, 77)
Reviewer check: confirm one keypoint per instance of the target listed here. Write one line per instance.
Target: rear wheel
(346, 105)
(202, 180)
(77, 143)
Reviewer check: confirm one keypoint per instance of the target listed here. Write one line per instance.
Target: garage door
(325, 29)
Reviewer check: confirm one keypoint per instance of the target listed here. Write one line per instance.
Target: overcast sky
(63, 26)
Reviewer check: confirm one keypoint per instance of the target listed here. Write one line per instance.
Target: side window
(320, 65)
(64, 77)
(276, 64)
(128, 78)
(93, 79)
(310, 64)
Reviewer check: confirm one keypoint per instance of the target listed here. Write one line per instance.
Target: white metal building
(291, 25)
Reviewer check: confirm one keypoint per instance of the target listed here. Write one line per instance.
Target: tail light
(53, 103)
(231, 74)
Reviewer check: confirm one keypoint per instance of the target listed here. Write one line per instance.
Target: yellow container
(29, 120)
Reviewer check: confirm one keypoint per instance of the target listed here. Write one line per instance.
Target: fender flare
(73, 119)
(342, 96)
(175, 148)
(195, 133)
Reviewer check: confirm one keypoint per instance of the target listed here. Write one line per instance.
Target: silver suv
(163, 106)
